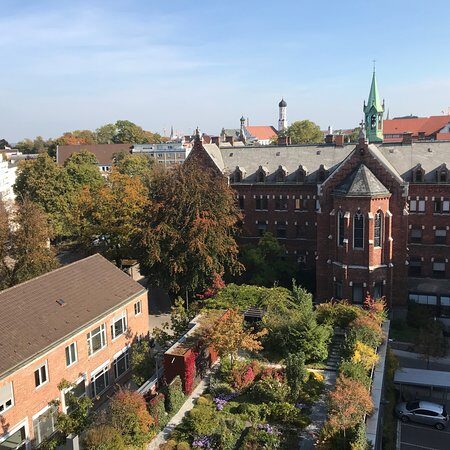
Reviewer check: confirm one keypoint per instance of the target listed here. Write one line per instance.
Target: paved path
(318, 414)
(416, 361)
(163, 435)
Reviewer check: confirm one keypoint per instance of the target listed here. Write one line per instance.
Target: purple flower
(202, 442)
(268, 428)
(222, 399)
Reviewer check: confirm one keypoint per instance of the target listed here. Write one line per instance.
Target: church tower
(373, 113)
(282, 119)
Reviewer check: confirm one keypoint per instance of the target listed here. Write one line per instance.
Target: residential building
(371, 217)
(433, 128)
(103, 152)
(7, 179)
(167, 154)
(75, 323)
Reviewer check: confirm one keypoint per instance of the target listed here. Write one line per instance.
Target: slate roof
(103, 152)
(361, 183)
(32, 321)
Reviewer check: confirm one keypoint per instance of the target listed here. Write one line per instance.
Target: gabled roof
(103, 152)
(361, 183)
(262, 132)
(215, 154)
(32, 321)
(415, 125)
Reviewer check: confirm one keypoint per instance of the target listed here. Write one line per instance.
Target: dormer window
(322, 174)
(261, 174)
(301, 174)
(280, 176)
(238, 175)
(418, 174)
(442, 174)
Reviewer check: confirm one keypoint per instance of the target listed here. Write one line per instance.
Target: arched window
(378, 229)
(340, 228)
(358, 230)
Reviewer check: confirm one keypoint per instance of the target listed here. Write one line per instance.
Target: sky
(71, 64)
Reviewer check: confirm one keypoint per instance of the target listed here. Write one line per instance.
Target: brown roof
(416, 125)
(32, 321)
(103, 152)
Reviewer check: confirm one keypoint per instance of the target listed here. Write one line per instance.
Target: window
(417, 206)
(357, 293)
(445, 306)
(237, 176)
(280, 176)
(301, 204)
(100, 381)
(423, 299)
(418, 176)
(77, 391)
(338, 290)
(96, 339)
(378, 290)
(340, 219)
(6, 397)
(241, 201)
(44, 425)
(119, 325)
(71, 354)
(41, 375)
(415, 236)
(377, 229)
(439, 269)
(262, 203)
(358, 230)
(137, 308)
(281, 230)
(442, 176)
(415, 267)
(281, 203)
(301, 175)
(440, 236)
(261, 175)
(121, 363)
(16, 440)
(262, 227)
(441, 206)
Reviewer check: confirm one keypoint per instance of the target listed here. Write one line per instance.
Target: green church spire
(373, 113)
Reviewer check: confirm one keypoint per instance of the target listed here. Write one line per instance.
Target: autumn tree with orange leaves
(188, 229)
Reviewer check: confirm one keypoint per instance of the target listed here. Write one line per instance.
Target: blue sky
(79, 64)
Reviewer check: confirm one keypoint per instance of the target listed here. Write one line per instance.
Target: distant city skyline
(81, 64)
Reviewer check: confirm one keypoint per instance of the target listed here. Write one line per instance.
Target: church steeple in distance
(373, 113)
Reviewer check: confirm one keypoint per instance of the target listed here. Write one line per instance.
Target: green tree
(82, 170)
(106, 134)
(129, 132)
(134, 165)
(45, 183)
(77, 137)
(430, 342)
(188, 229)
(24, 250)
(266, 263)
(305, 132)
(295, 374)
(142, 361)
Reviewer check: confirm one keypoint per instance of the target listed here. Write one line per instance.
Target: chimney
(230, 139)
(407, 138)
(329, 139)
(284, 140)
(339, 140)
(215, 140)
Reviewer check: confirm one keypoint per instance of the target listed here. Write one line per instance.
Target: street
(415, 436)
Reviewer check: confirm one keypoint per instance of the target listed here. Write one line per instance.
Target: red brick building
(75, 323)
(359, 218)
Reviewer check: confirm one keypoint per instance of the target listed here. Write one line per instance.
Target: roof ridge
(52, 271)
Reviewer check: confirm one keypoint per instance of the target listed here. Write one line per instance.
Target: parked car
(423, 412)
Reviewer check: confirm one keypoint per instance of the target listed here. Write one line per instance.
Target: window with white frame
(100, 380)
(121, 363)
(6, 397)
(41, 375)
(44, 425)
(76, 391)
(417, 206)
(71, 354)
(96, 339)
(137, 308)
(119, 325)
(15, 440)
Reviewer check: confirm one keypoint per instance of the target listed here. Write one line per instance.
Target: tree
(349, 403)
(430, 342)
(82, 170)
(129, 132)
(142, 361)
(107, 219)
(134, 165)
(266, 264)
(227, 335)
(305, 132)
(77, 137)
(106, 134)
(295, 374)
(188, 229)
(45, 183)
(103, 437)
(24, 250)
(3, 144)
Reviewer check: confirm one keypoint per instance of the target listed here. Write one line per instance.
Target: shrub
(269, 389)
(261, 436)
(142, 361)
(337, 314)
(359, 442)
(175, 396)
(128, 413)
(376, 308)
(171, 444)
(244, 375)
(253, 413)
(287, 414)
(364, 355)
(157, 410)
(217, 388)
(183, 446)
(203, 420)
(355, 371)
(418, 315)
(295, 373)
(103, 437)
(365, 330)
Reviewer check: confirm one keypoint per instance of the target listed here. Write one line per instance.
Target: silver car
(423, 412)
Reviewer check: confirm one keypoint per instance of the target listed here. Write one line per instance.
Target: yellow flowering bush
(364, 355)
